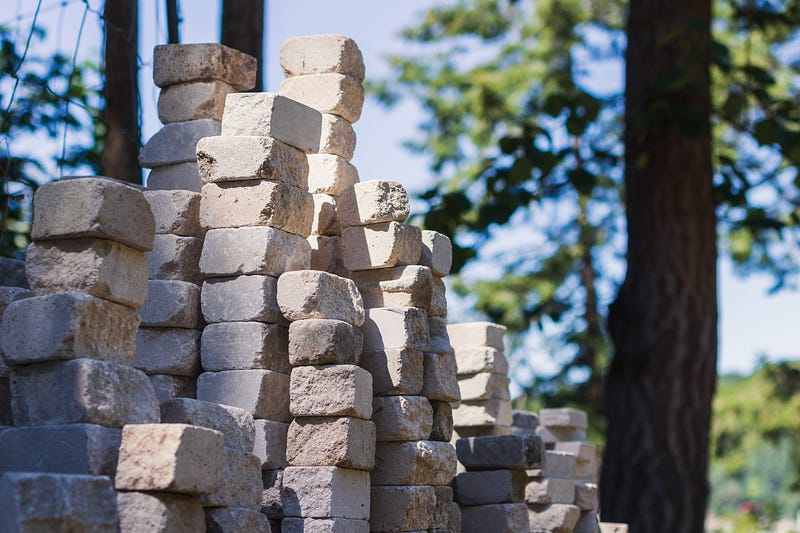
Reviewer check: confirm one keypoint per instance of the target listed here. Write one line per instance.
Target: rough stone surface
(241, 299)
(490, 486)
(540, 490)
(497, 518)
(271, 502)
(67, 326)
(482, 413)
(401, 508)
(396, 327)
(325, 221)
(330, 174)
(240, 485)
(12, 272)
(414, 463)
(564, 418)
(253, 250)
(170, 457)
(382, 245)
(272, 115)
(558, 465)
(244, 346)
(170, 351)
(442, 427)
(587, 470)
(159, 512)
(325, 441)
(484, 386)
(586, 496)
(482, 359)
(172, 387)
(440, 341)
(337, 137)
(270, 443)
(318, 54)
(526, 422)
(585, 451)
(475, 334)
(172, 304)
(306, 294)
(236, 425)
(325, 492)
(262, 393)
(181, 176)
(333, 93)
(438, 303)
(175, 212)
(320, 341)
(372, 202)
(437, 253)
(326, 254)
(332, 390)
(93, 207)
(552, 435)
(553, 517)
(324, 525)
(610, 527)
(235, 520)
(394, 371)
(403, 286)
(82, 390)
(175, 257)
(193, 101)
(180, 63)
(500, 452)
(176, 143)
(249, 158)
(402, 418)
(440, 381)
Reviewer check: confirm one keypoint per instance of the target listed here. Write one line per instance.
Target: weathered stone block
(438, 303)
(587, 523)
(262, 393)
(484, 386)
(331, 93)
(330, 174)
(482, 413)
(490, 486)
(319, 341)
(172, 304)
(306, 294)
(402, 418)
(318, 54)
(475, 334)
(481, 359)
(326, 254)
(181, 63)
(324, 525)
(437, 252)
(439, 377)
(235, 520)
(403, 286)
(270, 443)
(553, 517)
(333, 390)
(325, 441)
(557, 465)
(586, 496)
(240, 485)
(175, 257)
(541, 490)
(414, 463)
(382, 245)
(175, 212)
(325, 492)
(394, 371)
(241, 299)
(401, 508)
(181, 176)
(525, 422)
(271, 503)
(564, 418)
(159, 512)
(245, 346)
(440, 341)
(337, 137)
(585, 451)
(373, 202)
(193, 101)
(498, 518)
(552, 435)
(515, 452)
(586, 470)
(12, 272)
(176, 143)
(610, 527)
(172, 387)
(442, 427)
(325, 221)
(442, 518)
(253, 250)
(168, 351)
(396, 327)
(236, 425)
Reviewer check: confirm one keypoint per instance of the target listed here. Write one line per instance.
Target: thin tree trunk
(664, 321)
(243, 29)
(121, 91)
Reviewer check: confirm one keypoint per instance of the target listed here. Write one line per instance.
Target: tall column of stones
(331, 442)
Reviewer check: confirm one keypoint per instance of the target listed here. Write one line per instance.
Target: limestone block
(440, 341)
(337, 137)
(585, 451)
(558, 465)
(325, 492)
(241, 299)
(586, 470)
(306, 294)
(587, 523)
(610, 527)
(272, 115)
(438, 303)
(240, 484)
(324, 525)
(12, 272)
(172, 304)
(443, 518)
(396, 327)
(248, 157)
(175, 212)
(563, 418)
(325, 441)
(333, 93)
(170, 457)
(402, 418)
(271, 503)
(193, 101)
(382, 245)
(233, 204)
(168, 351)
(244, 346)
(526, 422)
(159, 512)
(180, 176)
(542, 490)
(442, 427)
(38, 502)
(552, 435)
(553, 517)
(497, 517)
(325, 221)
(320, 341)
(235, 520)
(270, 443)
(484, 386)
(586, 496)
(483, 359)
(482, 413)
(403, 286)
(394, 371)
(181, 63)
(317, 54)
(176, 257)
(332, 390)
(490, 486)
(437, 252)
(100, 267)
(439, 377)
(330, 174)
(326, 254)
(93, 207)
(236, 425)
(66, 449)
(171, 387)
(475, 334)
(414, 463)
(253, 250)
(82, 390)
(500, 452)
(262, 393)
(176, 143)
(67, 326)
(401, 508)
(372, 202)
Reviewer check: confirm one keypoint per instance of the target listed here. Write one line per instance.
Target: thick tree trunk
(121, 91)
(243, 29)
(664, 321)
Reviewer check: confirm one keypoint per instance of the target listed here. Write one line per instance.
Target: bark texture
(243, 29)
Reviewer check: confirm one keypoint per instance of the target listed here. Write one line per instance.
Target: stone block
(394, 371)
(482, 413)
(586, 496)
(563, 418)
(324, 525)
(176, 257)
(245, 158)
(180, 176)
(326, 254)
(525, 421)
(484, 386)
(240, 484)
(319, 54)
(476, 334)
(442, 518)
(585, 451)
(271, 503)
(439, 378)
(402, 418)
(67, 326)
(320, 341)
(490, 486)
(244, 346)
(330, 174)
(93, 207)
(404, 286)
(181, 63)
(241, 299)
(333, 390)
(497, 517)
(553, 517)
(99, 267)
(39, 502)
(325, 492)
(552, 435)
(193, 101)
(273, 115)
(437, 253)
(253, 250)
(541, 490)
(270, 443)
(235, 520)
(325, 221)
(236, 425)
(262, 393)
(337, 137)
(332, 93)
(559, 465)
(306, 294)
(168, 351)
(325, 441)
(438, 303)
(586, 470)
(176, 142)
(401, 508)
(480, 359)
(175, 212)
(373, 202)
(172, 387)
(12, 272)
(513, 452)
(233, 204)
(159, 512)
(414, 463)
(382, 245)
(172, 304)
(442, 427)
(610, 527)
(440, 341)
(82, 390)
(587, 523)
(396, 327)
(66, 449)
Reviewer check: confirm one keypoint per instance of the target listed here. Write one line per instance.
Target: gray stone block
(235, 520)
(319, 54)
(515, 452)
(440, 341)
(270, 443)
(176, 212)
(587, 523)
(306, 294)
(553, 435)
(541, 491)
(332, 93)
(168, 351)
(553, 517)
(475, 334)
(236, 425)
(564, 418)
(159, 512)
(172, 303)
(442, 428)
(181, 176)
(437, 252)
(330, 174)
(402, 418)
(484, 386)
(498, 517)
(480, 359)
(332, 390)
(240, 484)
(325, 221)
(171, 387)
(245, 346)
(241, 299)
(6, 417)
(323, 342)
(446, 514)
(403, 286)
(253, 250)
(382, 245)
(414, 463)
(438, 303)
(193, 101)
(373, 202)
(482, 413)
(175, 258)
(325, 492)
(327, 441)
(396, 327)
(12, 272)
(262, 393)
(440, 381)
(526, 420)
(337, 137)
(490, 486)
(176, 143)
(326, 254)
(181, 63)
(394, 371)
(401, 508)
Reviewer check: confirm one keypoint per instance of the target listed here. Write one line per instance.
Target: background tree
(243, 29)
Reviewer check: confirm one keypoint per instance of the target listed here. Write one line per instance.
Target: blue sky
(752, 323)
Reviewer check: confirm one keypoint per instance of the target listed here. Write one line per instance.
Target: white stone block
(253, 250)
(396, 327)
(325, 492)
(332, 390)
(330, 174)
(181, 63)
(177, 142)
(337, 137)
(372, 202)
(176, 212)
(193, 101)
(382, 245)
(180, 176)
(437, 252)
(332, 93)
(305, 294)
(241, 299)
(262, 393)
(317, 54)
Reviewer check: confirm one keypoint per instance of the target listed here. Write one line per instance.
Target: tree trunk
(121, 116)
(243, 29)
(664, 321)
